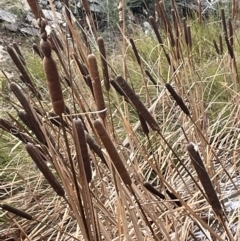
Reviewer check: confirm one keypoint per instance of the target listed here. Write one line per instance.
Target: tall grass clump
(137, 143)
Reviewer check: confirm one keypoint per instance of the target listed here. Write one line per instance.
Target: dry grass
(115, 178)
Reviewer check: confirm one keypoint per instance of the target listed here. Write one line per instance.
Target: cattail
(84, 73)
(224, 23)
(153, 190)
(23, 71)
(168, 27)
(104, 62)
(189, 36)
(230, 48)
(36, 10)
(200, 12)
(17, 49)
(52, 77)
(151, 78)
(55, 42)
(33, 123)
(143, 124)
(204, 178)
(139, 106)
(216, 47)
(83, 147)
(175, 23)
(33, 152)
(95, 147)
(97, 88)
(10, 128)
(86, 6)
(37, 51)
(155, 29)
(68, 13)
(16, 211)
(118, 89)
(135, 51)
(230, 31)
(173, 197)
(24, 102)
(220, 44)
(89, 84)
(178, 99)
(185, 30)
(113, 153)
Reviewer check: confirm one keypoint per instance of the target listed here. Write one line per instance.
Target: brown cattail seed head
(46, 48)
(97, 88)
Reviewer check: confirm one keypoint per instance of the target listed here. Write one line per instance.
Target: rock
(3, 54)
(50, 16)
(13, 27)
(7, 16)
(30, 30)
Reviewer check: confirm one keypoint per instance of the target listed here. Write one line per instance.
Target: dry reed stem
(33, 152)
(104, 62)
(113, 153)
(97, 88)
(204, 178)
(16, 211)
(178, 99)
(137, 103)
(83, 148)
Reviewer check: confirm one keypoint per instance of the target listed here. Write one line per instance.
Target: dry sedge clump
(41, 164)
(52, 76)
(204, 178)
(113, 153)
(97, 88)
(137, 103)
